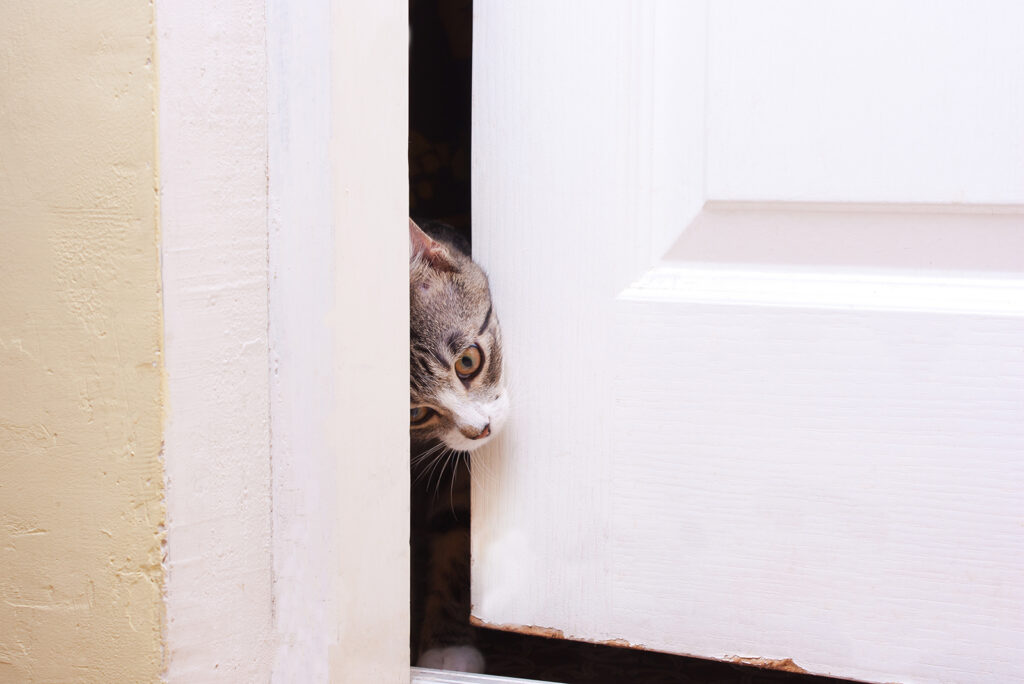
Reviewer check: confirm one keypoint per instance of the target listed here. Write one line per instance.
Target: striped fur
(451, 415)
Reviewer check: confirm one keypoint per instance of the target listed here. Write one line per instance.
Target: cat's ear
(424, 247)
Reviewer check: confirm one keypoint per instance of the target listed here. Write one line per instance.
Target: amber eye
(469, 362)
(419, 415)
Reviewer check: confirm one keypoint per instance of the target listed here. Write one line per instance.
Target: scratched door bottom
(526, 658)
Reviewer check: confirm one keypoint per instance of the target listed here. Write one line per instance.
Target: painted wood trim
(818, 289)
(302, 379)
(368, 428)
(283, 162)
(213, 201)
(338, 260)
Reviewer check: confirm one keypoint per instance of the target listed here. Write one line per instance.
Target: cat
(458, 402)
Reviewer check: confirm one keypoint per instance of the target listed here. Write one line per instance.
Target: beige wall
(81, 509)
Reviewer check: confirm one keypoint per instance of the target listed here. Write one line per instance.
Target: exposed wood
(552, 633)
(531, 630)
(781, 664)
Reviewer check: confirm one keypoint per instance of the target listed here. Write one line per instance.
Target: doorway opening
(440, 80)
(440, 106)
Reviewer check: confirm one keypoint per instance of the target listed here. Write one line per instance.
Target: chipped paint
(531, 630)
(621, 643)
(554, 633)
(781, 664)
(80, 345)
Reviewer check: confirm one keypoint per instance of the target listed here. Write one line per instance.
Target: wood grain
(735, 454)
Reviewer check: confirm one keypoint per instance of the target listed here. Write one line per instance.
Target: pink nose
(483, 433)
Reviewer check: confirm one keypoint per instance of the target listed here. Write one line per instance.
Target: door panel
(904, 101)
(759, 270)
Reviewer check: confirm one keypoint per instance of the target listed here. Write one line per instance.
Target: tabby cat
(458, 402)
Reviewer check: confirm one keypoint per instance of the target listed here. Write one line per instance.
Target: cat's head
(456, 381)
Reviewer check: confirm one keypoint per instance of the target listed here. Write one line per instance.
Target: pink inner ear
(421, 244)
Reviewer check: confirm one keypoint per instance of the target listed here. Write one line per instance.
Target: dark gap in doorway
(440, 80)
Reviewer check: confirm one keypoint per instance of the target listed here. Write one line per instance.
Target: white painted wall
(213, 201)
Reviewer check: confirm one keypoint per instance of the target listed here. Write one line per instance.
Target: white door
(760, 271)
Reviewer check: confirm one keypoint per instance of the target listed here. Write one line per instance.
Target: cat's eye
(420, 414)
(469, 362)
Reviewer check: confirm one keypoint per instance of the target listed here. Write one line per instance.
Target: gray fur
(451, 309)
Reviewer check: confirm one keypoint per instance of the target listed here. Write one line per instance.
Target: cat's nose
(483, 433)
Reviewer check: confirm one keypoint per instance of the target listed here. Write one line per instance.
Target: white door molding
(212, 118)
(285, 260)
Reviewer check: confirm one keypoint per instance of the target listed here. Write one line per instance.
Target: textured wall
(81, 509)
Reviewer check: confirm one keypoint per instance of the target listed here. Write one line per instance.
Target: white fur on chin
(496, 412)
(456, 441)
(454, 659)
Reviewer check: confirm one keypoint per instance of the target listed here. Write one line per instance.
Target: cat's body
(458, 401)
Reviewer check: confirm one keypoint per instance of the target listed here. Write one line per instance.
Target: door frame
(283, 191)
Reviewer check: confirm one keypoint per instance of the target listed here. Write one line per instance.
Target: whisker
(440, 473)
(428, 468)
(477, 469)
(431, 451)
(419, 458)
(451, 487)
(438, 467)
(469, 466)
(483, 468)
